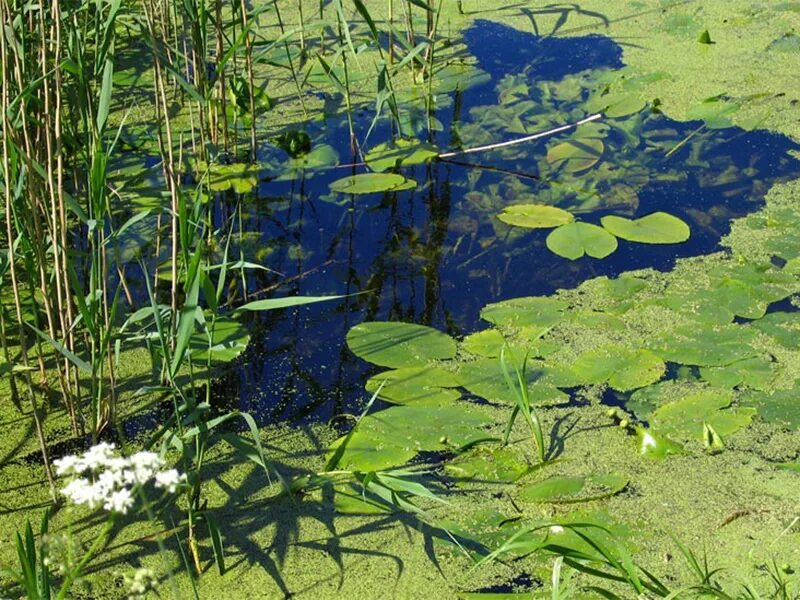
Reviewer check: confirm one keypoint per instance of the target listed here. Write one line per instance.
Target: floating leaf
(228, 340)
(780, 406)
(655, 228)
(715, 111)
(685, 418)
(402, 152)
(487, 464)
(369, 183)
(624, 369)
(239, 177)
(655, 445)
(535, 216)
(458, 76)
(757, 372)
(789, 42)
(575, 155)
(574, 489)
(394, 436)
(415, 384)
(747, 290)
(783, 327)
(577, 239)
(486, 343)
(529, 311)
(485, 378)
(705, 346)
(395, 344)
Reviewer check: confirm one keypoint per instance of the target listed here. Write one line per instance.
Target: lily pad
(577, 239)
(756, 372)
(624, 369)
(370, 183)
(239, 177)
(709, 346)
(684, 418)
(535, 216)
(655, 228)
(405, 152)
(529, 311)
(392, 437)
(787, 43)
(780, 406)
(783, 327)
(487, 343)
(575, 155)
(228, 340)
(485, 378)
(395, 344)
(487, 464)
(574, 489)
(415, 384)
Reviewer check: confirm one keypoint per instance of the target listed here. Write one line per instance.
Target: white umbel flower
(103, 478)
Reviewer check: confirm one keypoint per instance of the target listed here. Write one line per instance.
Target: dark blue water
(435, 255)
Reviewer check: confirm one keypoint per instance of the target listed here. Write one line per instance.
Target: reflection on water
(436, 255)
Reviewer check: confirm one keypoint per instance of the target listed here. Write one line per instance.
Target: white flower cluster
(103, 478)
(143, 581)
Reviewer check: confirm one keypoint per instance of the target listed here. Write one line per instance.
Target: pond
(413, 299)
(436, 255)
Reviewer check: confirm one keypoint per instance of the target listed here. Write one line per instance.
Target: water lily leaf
(239, 177)
(712, 441)
(684, 418)
(757, 372)
(529, 311)
(655, 445)
(710, 346)
(783, 327)
(792, 466)
(395, 344)
(228, 340)
(485, 378)
(402, 152)
(789, 42)
(655, 228)
(369, 183)
(350, 500)
(535, 216)
(323, 155)
(747, 290)
(392, 437)
(458, 76)
(715, 111)
(577, 239)
(624, 369)
(487, 343)
(576, 155)
(487, 464)
(574, 489)
(780, 406)
(415, 384)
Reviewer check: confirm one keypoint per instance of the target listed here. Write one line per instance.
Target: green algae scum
(400, 299)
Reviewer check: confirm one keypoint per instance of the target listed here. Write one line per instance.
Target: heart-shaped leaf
(535, 216)
(394, 344)
(370, 183)
(655, 228)
(402, 152)
(577, 239)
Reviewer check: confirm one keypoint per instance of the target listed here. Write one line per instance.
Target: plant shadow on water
(437, 254)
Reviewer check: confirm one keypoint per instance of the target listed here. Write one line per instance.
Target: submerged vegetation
(192, 189)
